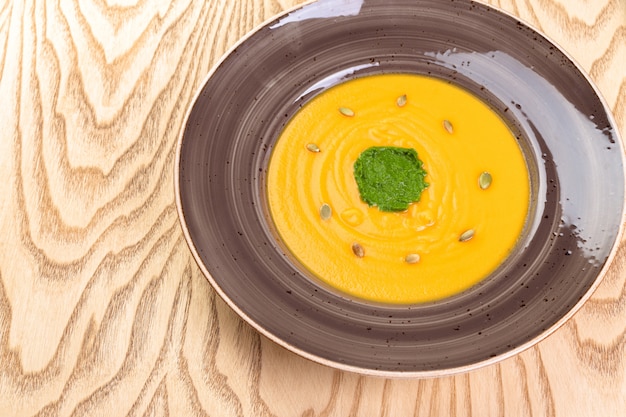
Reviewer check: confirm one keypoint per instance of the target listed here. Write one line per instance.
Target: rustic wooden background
(102, 309)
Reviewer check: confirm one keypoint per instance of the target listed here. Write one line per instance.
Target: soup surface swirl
(421, 254)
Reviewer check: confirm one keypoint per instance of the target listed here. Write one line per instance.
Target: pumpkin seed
(484, 181)
(466, 235)
(401, 101)
(412, 258)
(325, 211)
(311, 147)
(358, 250)
(346, 111)
(448, 126)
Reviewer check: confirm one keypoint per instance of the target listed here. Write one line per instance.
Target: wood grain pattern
(102, 309)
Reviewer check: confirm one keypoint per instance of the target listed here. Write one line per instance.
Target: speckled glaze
(568, 136)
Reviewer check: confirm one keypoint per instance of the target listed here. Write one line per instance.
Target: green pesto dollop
(389, 177)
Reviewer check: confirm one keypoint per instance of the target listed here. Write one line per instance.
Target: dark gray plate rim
(419, 370)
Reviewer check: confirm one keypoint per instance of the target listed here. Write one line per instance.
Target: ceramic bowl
(564, 129)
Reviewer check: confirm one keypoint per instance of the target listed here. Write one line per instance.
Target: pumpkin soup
(446, 188)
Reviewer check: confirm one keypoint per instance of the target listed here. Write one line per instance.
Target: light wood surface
(102, 309)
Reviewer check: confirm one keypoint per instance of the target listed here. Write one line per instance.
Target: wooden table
(103, 311)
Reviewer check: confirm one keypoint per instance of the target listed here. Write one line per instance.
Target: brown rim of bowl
(386, 372)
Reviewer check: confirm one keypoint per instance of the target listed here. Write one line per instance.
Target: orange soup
(465, 223)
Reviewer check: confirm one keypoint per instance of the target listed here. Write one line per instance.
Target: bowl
(563, 126)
